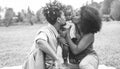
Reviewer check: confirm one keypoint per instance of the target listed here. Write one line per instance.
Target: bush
(115, 10)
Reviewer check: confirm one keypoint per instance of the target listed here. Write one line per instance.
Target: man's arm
(45, 47)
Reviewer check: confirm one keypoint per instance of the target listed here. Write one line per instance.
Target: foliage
(95, 5)
(38, 15)
(23, 15)
(34, 19)
(115, 10)
(29, 16)
(9, 14)
(105, 8)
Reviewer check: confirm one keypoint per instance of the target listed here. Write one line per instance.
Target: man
(44, 51)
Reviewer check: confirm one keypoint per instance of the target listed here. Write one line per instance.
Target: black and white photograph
(59, 34)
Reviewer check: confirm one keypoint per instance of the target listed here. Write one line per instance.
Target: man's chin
(63, 24)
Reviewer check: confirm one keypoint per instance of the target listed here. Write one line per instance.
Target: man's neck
(68, 20)
(57, 27)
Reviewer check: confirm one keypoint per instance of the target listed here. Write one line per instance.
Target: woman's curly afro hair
(90, 21)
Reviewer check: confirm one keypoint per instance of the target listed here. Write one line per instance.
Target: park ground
(16, 41)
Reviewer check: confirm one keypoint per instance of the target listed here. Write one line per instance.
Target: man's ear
(58, 19)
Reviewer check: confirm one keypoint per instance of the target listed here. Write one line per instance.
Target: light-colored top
(72, 30)
(49, 34)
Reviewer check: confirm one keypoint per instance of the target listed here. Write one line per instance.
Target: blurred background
(20, 20)
(28, 11)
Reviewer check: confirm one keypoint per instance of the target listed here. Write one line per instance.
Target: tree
(115, 10)
(9, 14)
(92, 1)
(29, 16)
(0, 12)
(34, 19)
(23, 15)
(95, 5)
(38, 14)
(105, 8)
(19, 17)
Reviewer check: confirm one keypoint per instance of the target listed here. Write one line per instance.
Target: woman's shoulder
(88, 35)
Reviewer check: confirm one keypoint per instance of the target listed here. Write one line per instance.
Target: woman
(81, 49)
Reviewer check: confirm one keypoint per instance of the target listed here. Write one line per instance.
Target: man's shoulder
(42, 33)
(43, 29)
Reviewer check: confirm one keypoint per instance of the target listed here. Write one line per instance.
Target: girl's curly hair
(52, 11)
(90, 21)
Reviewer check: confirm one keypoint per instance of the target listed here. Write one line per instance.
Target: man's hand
(58, 63)
(62, 40)
(62, 33)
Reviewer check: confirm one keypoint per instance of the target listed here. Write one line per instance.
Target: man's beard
(63, 24)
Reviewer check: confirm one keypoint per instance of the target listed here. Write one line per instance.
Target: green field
(15, 43)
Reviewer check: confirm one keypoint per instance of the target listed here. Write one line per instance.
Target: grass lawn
(16, 41)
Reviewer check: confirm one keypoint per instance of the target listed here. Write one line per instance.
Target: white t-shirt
(72, 30)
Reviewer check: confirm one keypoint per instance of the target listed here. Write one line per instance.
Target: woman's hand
(68, 32)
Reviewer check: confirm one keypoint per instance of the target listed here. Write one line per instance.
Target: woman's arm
(83, 43)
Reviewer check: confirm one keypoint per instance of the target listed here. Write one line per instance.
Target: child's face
(68, 15)
(76, 19)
